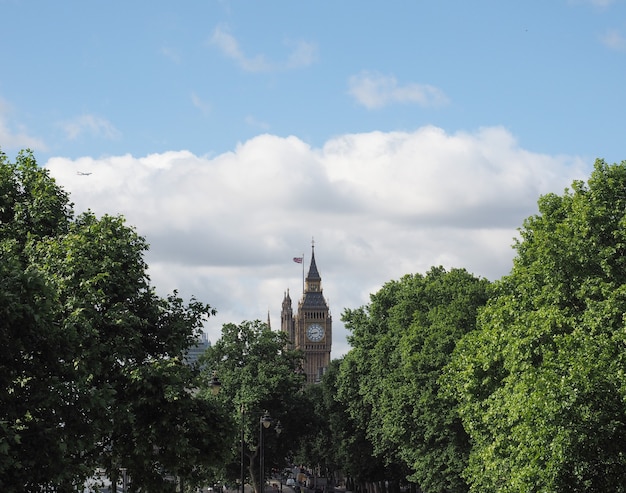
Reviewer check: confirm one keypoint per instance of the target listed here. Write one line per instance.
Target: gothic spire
(313, 274)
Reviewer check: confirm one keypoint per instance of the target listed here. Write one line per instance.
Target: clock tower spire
(311, 327)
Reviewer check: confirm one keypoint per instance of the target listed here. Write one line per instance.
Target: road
(273, 487)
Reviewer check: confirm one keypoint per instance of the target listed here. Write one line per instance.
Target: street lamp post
(264, 422)
(243, 454)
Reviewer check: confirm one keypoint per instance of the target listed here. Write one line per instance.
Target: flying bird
(82, 173)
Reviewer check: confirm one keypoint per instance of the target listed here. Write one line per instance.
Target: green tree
(128, 372)
(258, 374)
(91, 352)
(541, 383)
(334, 444)
(323, 432)
(356, 455)
(171, 429)
(403, 339)
(32, 205)
(34, 442)
(427, 431)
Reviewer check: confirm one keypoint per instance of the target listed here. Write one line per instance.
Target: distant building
(201, 345)
(310, 329)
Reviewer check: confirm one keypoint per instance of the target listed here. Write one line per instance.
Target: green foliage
(401, 341)
(32, 205)
(36, 354)
(258, 374)
(541, 383)
(334, 442)
(356, 451)
(323, 437)
(91, 368)
(164, 425)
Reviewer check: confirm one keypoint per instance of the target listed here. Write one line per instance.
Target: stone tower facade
(311, 328)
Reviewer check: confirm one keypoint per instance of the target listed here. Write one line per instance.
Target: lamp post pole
(243, 454)
(264, 422)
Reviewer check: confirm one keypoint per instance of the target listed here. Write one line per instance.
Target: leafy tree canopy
(541, 384)
(91, 368)
(401, 341)
(259, 374)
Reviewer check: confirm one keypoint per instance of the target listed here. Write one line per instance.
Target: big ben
(310, 330)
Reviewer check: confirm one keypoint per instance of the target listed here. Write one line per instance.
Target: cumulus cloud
(380, 205)
(374, 90)
(90, 124)
(302, 54)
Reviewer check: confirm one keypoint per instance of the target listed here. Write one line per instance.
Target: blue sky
(400, 135)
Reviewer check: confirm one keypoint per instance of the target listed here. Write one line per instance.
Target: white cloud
(374, 90)
(91, 124)
(614, 39)
(12, 137)
(303, 54)
(379, 205)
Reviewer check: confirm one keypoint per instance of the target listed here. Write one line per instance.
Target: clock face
(315, 332)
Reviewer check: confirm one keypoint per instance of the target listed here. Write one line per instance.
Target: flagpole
(303, 273)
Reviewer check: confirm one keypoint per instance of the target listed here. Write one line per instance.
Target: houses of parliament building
(310, 329)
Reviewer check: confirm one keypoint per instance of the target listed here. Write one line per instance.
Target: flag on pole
(297, 260)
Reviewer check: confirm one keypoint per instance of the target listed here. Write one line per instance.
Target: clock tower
(310, 329)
